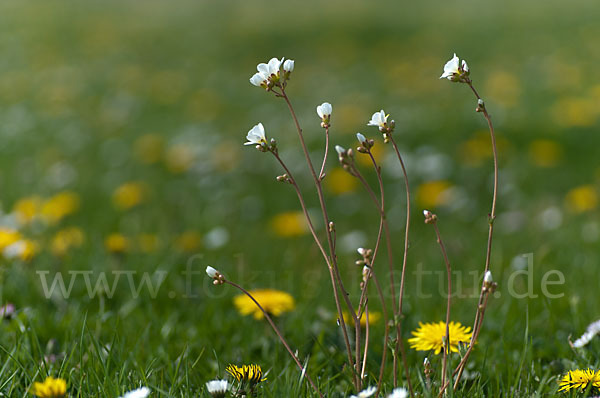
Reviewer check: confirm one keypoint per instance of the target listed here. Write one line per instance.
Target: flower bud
(213, 273)
(288, 65)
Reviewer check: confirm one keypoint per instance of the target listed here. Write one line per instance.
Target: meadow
(123, 172)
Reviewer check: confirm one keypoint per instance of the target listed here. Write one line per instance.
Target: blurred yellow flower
(430, 336)
(26, 209)
(575, 112)
(579, 379)
(129, 195)
(148, 243)
(338, 181)
(275, 302)
(433, 193)
(373, 318)
(189, 241)
(50, 388)
(377, 150)
(65, 239)
(59, 206)
(504, 88)
(179, 159)
(582, 198)
(478, 149)
(545, 153)
(289, 224)
(8, 237)
(117, 243)
(149, 148)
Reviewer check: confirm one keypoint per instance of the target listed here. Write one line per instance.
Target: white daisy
(365, 393)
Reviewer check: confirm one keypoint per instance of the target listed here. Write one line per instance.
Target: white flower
(15, 249)
(361, 138)
(258, 79)
(365, 393)
(399, 393)
(217, 388)
(378, 119)
(426, 213)
(256, 135)
(454, 69)
(139, 393)
(592, 330)
(267, 71)
(340, 150)
(324, 110)
(211, 272)
(288, 65)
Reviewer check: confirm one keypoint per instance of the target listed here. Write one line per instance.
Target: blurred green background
(94, 95)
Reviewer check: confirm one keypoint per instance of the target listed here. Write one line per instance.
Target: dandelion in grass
(129, 195)
(275, 302)
(50, 388)
(374, 317)
(59, 206)
(26, 209)
(65, 239)
(248, 376)
(142, 392)
(217, 388)
(117, 243)
(430, 336)
(580, 379)
(365, 393)
(289, 224)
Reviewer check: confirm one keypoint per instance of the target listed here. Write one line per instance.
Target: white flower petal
(257, 79)
(399, 393)
(211, 272)
(256, 135)
(340, 150)
(450, 68)
(139, 393)
(361, 138)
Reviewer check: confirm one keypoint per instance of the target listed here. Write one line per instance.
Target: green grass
(81, 82)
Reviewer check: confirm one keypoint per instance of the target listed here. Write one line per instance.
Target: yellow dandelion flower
(117, 243)
(275, 302)
(246, 374)
(432, 194)
(339, 181)
(50, 388)
(129, 195)
(373, 318)
(189, 241)
(580, 379)
(26, 209)
(59, 206)
(582, 198)
(179, 159)
(148, 243)
(289, 224)
(66, 239)
(149, 148)
(545, 153)
(430, 336)
(8, 237)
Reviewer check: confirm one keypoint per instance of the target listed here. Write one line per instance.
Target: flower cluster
(270, 75)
